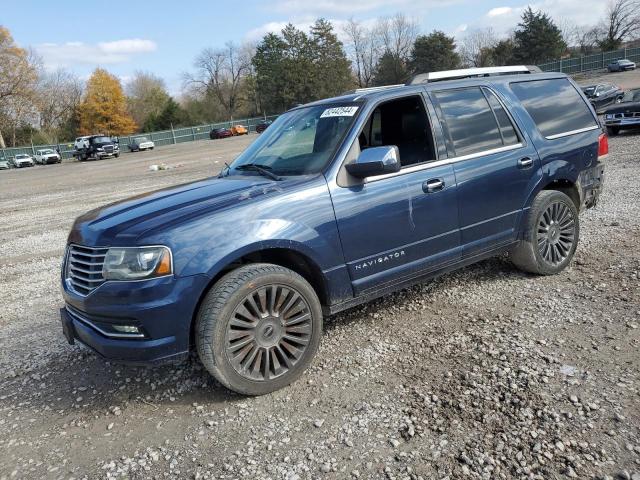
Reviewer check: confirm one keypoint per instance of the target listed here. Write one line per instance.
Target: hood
(125, 222)
(625, 107)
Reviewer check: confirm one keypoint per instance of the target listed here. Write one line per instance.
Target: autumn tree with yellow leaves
(104, 107)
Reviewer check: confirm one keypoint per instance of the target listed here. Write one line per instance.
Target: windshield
(101, 140)
(301, 141)
(589, 91)
(46, 152)
(141, 139)
(21, 156)
(632, 96)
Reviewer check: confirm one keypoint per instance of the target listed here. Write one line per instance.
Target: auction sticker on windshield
(339, 112)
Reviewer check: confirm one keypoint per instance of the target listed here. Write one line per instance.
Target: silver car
(22, 160)
(4, 164)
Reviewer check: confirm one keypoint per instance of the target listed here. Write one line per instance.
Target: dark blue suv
(338, 202)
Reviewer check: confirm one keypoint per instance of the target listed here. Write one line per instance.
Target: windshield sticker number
(339, 112)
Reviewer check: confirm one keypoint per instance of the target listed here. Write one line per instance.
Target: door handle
(525, 162)
(433, 185)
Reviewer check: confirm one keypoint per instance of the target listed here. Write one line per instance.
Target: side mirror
(375, 161)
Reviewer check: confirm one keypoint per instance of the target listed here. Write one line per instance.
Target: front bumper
(162, 309)
(591, 183)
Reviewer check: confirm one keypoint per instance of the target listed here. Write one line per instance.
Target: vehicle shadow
(78, 380)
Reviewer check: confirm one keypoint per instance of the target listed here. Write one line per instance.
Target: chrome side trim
(76, 316)
(572, 132)
(446, 161)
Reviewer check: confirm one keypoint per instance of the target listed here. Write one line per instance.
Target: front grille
(84, 268)
(108, 148)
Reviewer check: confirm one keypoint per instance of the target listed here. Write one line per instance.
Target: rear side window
(471, 123)
(555, 106)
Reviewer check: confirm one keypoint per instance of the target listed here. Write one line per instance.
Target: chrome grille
(83, 270)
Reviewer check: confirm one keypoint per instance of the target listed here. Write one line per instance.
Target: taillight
(603, 145)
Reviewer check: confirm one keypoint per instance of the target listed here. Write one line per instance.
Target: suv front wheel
(551, 234)
(258, 328)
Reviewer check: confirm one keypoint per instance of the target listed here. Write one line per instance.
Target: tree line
(278, 72)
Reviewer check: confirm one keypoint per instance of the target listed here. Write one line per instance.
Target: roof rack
(472, 72)
(373, 89)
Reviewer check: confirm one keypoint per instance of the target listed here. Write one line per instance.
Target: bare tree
(621, 23)
(569, 31)
(59, 94)
(362, 50)
(397, 35)
(476, 47)
(586, 39)
(146, 96)
(220, 72)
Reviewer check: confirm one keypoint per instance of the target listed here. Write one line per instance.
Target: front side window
(402, 122)
(554, 105)
(301, 141)
(470, 123)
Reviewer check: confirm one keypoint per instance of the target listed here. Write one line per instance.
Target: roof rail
(373, 89)
(472, 72)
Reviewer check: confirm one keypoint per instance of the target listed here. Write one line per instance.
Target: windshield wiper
(261, 169)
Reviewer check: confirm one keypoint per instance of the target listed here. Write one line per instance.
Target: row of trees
(278, 72)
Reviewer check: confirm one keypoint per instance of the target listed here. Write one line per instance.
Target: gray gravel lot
(484, 373)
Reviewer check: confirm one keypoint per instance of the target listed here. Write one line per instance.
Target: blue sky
(164, 36)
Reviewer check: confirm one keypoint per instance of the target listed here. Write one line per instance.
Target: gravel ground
(484, 373)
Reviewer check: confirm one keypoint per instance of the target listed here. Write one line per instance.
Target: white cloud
(134, 45)
(56, 55)
(494, 12)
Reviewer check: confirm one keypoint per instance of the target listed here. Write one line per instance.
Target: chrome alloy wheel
(268, 333)
(556, 233)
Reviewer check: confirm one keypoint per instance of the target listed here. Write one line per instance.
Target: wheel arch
(568, 187)
(292, 259)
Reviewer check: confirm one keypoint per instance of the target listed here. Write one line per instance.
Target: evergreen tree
(502, 53)
(332, 68)
(537, 39)
(390, 70)
(434, 52)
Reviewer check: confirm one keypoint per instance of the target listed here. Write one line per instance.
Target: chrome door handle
(525, 162)
(433, 185)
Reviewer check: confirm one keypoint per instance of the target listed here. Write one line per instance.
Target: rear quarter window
(555, 106)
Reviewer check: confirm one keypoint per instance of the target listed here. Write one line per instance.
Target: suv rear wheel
(258, 328)
(551, 235)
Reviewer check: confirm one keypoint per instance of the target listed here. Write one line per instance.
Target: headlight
(137, 263)
(608, 116)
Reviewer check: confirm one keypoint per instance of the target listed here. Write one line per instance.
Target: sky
(163, 37)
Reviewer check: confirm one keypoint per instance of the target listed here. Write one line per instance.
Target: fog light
(126, 328)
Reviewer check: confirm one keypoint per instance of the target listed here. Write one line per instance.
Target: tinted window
(509, 136)
(469, 120)
(554, 105)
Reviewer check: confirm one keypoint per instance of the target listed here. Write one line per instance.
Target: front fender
(227, 245)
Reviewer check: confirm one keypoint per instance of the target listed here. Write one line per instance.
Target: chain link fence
(589, 63)
(165, 137)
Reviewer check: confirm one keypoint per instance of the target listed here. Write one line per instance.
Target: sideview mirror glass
(375, 161)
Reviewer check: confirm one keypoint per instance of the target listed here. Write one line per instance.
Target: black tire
(613, 131)
(117, 155)
(552, 231)
(274, 330)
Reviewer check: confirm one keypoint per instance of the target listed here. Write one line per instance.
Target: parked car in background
(239, 130)
(621, 65)
(220, 133)
(624, 115)
(4, 164)
(339, 202)
(603, 94)
(95, 147)
(138, 144)
(47, 156)
(22, 160)
(262, 126)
